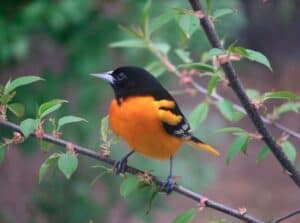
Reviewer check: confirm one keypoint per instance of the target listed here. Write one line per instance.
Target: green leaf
(288, 106)
(198, 115)
(222, 12)
(258, 57)
(186, 216)
(239, 144)
(67, 163)
(157, 22)
(28, 126)
(231, 130)
(50, 161)
(45, 146)
(5, 99)
(262, 153)
(163, 47)
(252, 93)
(289, 150)
(2, 152)
(228, 111)
(156, 68)
(129, 185)
(130, 43)
(183, 55)
(212, 84)
(280, 95)
(17, 108)
(198, 66)
(49, 107)
(68, 120)
(147, 7)
(216, 52)
(20, 82)
(188, 24)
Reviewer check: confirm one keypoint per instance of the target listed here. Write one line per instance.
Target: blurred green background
(64, 41)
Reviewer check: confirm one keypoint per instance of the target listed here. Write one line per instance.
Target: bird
(147, 117)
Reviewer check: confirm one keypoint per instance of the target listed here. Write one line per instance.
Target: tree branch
(178, 188)
(237, 87)
(289, 215)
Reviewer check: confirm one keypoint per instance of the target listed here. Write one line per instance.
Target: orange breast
(137, 121)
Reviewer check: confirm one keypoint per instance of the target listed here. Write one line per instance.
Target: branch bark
(237, 87)
(289, 215)
(178, 188)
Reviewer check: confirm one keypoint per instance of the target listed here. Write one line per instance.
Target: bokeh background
(64, 41)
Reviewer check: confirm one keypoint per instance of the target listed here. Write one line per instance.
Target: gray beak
(105, 76)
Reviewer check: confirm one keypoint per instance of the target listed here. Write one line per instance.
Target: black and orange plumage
(147, 117)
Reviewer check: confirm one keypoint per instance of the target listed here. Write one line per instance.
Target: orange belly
(137, 121)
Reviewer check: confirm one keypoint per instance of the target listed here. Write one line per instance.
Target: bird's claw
(120, 166)
(168, 185)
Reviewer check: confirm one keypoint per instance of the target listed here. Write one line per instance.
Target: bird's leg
(169, 184)
(121, 164)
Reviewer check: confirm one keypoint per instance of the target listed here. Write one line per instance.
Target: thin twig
(289, 215)
(236, 85)
(178, 188)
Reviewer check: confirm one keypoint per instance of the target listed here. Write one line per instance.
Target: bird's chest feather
(138, 120)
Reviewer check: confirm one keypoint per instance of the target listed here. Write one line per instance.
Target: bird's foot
(120, 166)
(168, 185)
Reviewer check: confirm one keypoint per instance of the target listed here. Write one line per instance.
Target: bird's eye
(120, 77)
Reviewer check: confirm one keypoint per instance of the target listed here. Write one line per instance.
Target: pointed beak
(105, 76)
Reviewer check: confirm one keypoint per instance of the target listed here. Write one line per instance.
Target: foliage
(162, 32)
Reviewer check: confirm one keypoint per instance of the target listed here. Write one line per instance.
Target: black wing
(182, 129)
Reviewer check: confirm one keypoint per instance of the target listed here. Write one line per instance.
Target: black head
(133, 81)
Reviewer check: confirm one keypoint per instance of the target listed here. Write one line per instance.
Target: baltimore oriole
(148, 118)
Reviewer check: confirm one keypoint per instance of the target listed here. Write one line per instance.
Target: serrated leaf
(239, 144)
(222, 12)
(157, 22)
(188, 24)
(45, 146)
(163, 47)
(280, 95)
(258, 57)
(183, 55)
(18, 82)
(198, 66)
(2, 152)
(130, 43)
(186, 216)
(212, 84)
(198, 115)
(262, 154)
(252, 93)
(50, 161)
(17, 108)
(67, 163)
(239, 50)
(156, 68)
(288, 106)
(49, 107)
(231, 130)
(5, 99)
(216, 52)
(68, 120)
(228, 111)
(289, 150)
(129, 185)
(28, 126)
